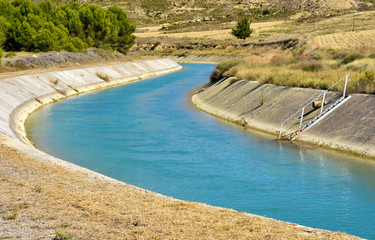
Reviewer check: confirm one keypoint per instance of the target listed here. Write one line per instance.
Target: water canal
(148, 134)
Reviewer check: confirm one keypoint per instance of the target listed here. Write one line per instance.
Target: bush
(1, 55)
(63, 236)
(366, 82)
(311, 66)
(338, 55)
(351, 58)
(10, 54)
(266, 12)
(221, 69)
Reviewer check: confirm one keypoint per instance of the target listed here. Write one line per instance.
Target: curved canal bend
(148, 134)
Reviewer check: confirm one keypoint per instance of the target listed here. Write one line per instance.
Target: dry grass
(315, 69)
(362, 42)
(50, 201)
(322, 57)
(220, 34)
(323, 26)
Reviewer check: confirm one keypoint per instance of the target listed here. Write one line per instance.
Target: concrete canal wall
(350, 128)
(21, 95)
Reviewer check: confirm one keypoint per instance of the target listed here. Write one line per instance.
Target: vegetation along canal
(148, 134)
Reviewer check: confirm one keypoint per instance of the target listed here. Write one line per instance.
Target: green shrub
(366, 82)
(222, 68)
(63, 236)
(1, 55)
(11, 216)
(339, 55)
(316, 56)
(10, 54)
(351, 58)
(266, 12)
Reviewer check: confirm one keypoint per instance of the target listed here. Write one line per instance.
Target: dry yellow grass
(222, 34)
(287, 68)
(40, 201)
(339, 27)
(362, 41)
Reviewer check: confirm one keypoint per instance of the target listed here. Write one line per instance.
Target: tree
(71, 26)
(4, 26)
(1, 55)
(242, 30)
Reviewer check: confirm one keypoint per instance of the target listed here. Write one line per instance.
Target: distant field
(335, 32)
(222, 34)
(363, 41)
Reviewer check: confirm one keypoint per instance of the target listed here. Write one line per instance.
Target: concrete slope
(19, 96)
(266, 106)
(350, 128)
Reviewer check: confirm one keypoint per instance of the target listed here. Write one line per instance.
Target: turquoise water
(148, 134)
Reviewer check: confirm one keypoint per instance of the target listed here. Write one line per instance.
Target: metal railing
(311, 100)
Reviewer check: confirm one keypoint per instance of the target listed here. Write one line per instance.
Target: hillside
(150, 12)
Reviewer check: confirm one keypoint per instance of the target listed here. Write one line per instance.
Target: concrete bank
(264, 107)
(19, 96)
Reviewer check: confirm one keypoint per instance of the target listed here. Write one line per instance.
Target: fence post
(281, 129)
(300, 123)
(346, 82)
(324, 98)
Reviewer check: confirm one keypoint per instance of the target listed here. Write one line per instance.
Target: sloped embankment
(266, 106)
(19, 96)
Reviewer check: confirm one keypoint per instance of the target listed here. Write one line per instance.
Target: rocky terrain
(146, 12)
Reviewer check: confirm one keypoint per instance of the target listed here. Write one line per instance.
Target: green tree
(70, 25)
(4, 26)
(47, 6)
(242, 30)
(6, 9)
(43, 41)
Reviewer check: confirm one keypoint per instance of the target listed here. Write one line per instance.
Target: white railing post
(300, 123)
(346, 82)
(281, 129)
(324, 98)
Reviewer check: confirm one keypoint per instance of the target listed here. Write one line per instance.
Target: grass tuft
(62, 236)
(311, 66)
(102, 76)
(11, 216)
(10, 54)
